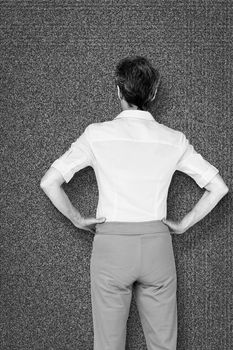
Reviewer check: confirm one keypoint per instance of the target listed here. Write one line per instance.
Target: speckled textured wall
(57, 60)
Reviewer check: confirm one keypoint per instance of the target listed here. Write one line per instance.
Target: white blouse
(134, 158)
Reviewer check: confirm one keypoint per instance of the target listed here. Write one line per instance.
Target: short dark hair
(137, 80)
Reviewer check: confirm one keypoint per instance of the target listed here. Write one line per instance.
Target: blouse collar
(135, 113)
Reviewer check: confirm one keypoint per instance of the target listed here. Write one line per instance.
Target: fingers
(85, 228)
(94, 221)
(100, 220)
(173, 226)
(88, 224)
(176, 232)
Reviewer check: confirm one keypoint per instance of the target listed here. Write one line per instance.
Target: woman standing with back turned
(134, 158)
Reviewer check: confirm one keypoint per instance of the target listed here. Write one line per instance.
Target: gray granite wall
(57, 63)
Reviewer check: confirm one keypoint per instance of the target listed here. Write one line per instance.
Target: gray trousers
(124, 253)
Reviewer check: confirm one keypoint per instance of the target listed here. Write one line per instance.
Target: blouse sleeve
(77, 157)
(193, 164)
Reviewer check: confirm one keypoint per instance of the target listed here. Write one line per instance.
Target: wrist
(74, 215)
(187, 220)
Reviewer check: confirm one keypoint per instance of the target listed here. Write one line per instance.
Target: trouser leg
(155, 294)
(111, 292)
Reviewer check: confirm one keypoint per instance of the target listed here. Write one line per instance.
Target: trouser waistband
(132, 227)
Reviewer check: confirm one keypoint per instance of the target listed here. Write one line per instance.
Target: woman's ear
(154, 95)
(119, 93)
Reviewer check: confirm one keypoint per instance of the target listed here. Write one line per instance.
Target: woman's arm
(51, 184)
(216, 189)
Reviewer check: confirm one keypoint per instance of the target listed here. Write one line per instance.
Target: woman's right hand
(174, 227)
(87, 224)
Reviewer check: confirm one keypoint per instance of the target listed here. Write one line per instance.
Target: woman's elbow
(52, 177)
(217, 185)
